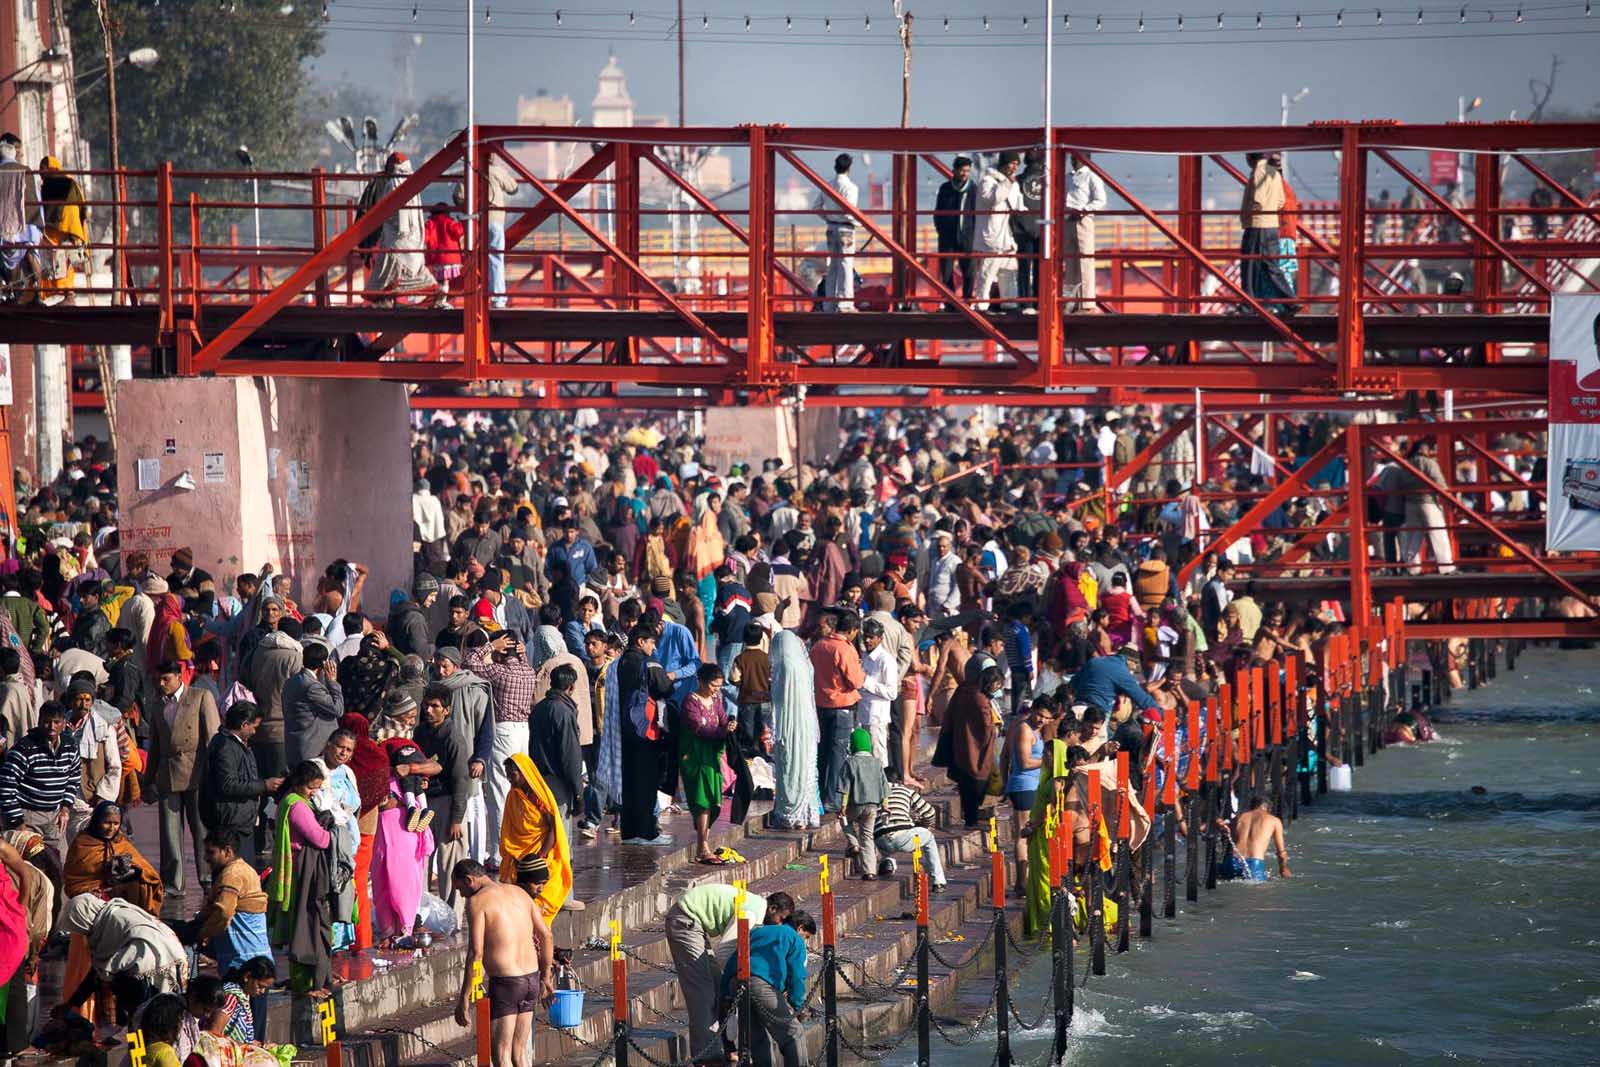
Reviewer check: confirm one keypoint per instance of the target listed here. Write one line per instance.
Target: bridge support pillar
(297, 472)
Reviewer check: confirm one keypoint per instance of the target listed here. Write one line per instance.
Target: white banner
(1573, 523)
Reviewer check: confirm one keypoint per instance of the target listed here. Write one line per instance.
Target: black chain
(881, 1051)
(1049, 1006)
(882, 988)
(469, 1061)
(970, 956)
(970, 1032)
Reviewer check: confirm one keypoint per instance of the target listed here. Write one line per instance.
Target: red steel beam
(210, 357)
(1506, 629)
(1478, 520)
(594, 234)
(1311, 355)
(1294, 484)
(984, 326)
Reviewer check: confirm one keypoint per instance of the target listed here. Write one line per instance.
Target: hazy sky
(965, 76)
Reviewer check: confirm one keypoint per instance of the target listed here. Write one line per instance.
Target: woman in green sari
(299, 896)
(1048, 804)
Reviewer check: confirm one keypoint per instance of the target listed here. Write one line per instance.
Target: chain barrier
(379, 1031)
(970, 1032)
(974, 954)
(882, 987)
(879, 1051)
(1044, 1012)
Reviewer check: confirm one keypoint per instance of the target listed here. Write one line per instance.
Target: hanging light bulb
(1380, 16)
(1219, 20)
(947, 24)
(1463, 17)
(747, 24)
(558, 16)
(986, 24)
(488, 15)
(1338, 20)
(1141, 22)
(1419, 16)
(788, 24)
(1258, 20)
(1180, 23)
(413, 12)
(1024, 22)
(705, 22)
(1097, 24)
(827, 25)
(324, 11)
(630, 18)
(866, 22)
(1519, 13)
(1298, 24)
(1066, 22)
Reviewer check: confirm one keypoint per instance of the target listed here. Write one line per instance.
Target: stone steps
(410, 1018)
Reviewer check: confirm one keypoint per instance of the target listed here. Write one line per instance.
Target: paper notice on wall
(305, 476)
(272, 463)
(1573, 489)
(5, 376)
(149, 475)
(216, 467)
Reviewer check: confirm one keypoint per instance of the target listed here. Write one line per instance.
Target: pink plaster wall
(353, 437)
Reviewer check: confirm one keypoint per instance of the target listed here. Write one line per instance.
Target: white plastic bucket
(1339, 780)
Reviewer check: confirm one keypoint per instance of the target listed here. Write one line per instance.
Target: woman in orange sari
(706, 551)
(102, 861)
(531, 830)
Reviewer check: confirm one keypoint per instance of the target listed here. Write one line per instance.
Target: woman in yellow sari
(66, 219)
(102, 861)
(531, 831)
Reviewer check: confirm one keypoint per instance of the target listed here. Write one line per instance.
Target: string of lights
(1416, 23)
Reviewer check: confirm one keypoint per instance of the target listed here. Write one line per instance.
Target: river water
(1423, 924)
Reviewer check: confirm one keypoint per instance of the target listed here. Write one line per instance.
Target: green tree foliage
(229, 74)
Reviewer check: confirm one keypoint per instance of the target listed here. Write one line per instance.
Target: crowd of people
(602, 630)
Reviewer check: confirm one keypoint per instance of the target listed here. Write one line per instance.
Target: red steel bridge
(1396, 302)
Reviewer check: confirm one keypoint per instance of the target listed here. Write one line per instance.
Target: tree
(439, 118)
(227, 76)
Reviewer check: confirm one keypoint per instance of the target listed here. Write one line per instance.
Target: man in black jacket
(638, 680)
(442, 736)
(553, 741)
(231, 787)
(90, 629)
(955, 220)
(408, 627)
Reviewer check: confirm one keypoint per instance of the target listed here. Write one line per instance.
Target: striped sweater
(903, 809)
(33, 778)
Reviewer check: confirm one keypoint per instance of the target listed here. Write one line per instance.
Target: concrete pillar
(291, 471)
(51, 401)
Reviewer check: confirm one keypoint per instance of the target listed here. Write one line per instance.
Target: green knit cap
(860, 740)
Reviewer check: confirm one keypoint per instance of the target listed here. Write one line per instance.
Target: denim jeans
(833, 748)
(497, 261)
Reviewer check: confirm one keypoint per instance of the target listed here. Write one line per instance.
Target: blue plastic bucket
(566, 1011)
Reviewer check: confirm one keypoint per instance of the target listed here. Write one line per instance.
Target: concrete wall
(310, 471)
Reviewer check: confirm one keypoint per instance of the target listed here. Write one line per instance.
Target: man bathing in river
(1253, 831)
(509, 936)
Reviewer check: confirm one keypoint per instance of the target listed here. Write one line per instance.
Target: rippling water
(1424, 924)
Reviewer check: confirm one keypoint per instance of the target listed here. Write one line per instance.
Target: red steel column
(1050, 332)
(1352, 255)
(625, 202)
(1360, 581)
(475, 301)
(1191, 227)
(1486, 269)
(759, 342)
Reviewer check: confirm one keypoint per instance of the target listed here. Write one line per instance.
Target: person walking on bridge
(998, 197)
(839, 287)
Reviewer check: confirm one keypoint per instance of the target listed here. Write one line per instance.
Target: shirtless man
(510, 938)
(1253, 831)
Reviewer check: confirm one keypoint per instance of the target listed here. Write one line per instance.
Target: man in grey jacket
(472, 712)
(313, 703)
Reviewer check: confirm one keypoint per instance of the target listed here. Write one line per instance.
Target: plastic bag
(436, 916)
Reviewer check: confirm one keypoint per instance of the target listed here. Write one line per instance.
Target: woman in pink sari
(399, 856)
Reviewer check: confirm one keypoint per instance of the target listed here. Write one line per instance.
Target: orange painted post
(830, 967)
(619, 998)
(1224, 739)
(1191, 781)
(1093, 883)
(1275, 703)
(481, 1021)
(1258, 708)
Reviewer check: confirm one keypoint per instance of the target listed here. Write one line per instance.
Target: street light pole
(119, 220)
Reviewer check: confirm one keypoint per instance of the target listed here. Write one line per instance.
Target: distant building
(611, 108)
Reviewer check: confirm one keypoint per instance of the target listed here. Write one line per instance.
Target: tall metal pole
(468, 174)
(905, 69)
(1046, 223)
(680, 63)
(118, 221)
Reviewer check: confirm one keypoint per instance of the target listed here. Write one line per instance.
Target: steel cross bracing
(602, 294)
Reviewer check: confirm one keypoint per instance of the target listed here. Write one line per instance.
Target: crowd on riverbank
(601, 626)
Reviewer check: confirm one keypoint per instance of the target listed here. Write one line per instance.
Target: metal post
(619, 998)
(1169, 819)
(924, 1008)
(1002, 1009)
(1124, 872)
(1352, 234)
(1094, 883)
(1191, 787)
(1060, 967)
(830, 973)
(742, 973)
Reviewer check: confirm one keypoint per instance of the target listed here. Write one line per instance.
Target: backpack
(645, 716)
